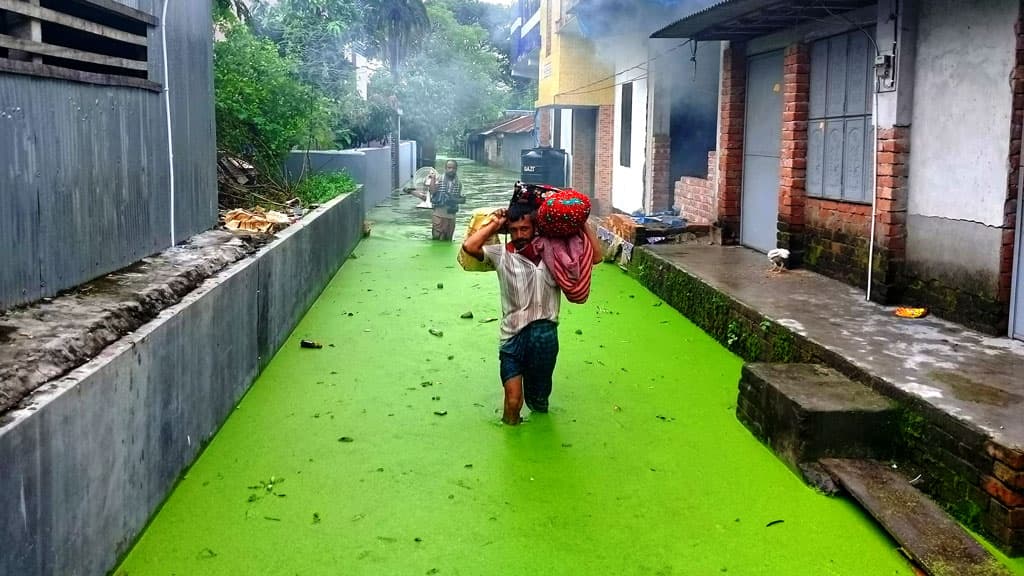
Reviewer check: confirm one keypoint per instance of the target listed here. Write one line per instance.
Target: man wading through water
(445, 196)
(530, 300)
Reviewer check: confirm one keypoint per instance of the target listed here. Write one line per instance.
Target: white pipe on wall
(874, 190)
(167, 103)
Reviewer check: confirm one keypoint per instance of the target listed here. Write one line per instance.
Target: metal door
(762, 141)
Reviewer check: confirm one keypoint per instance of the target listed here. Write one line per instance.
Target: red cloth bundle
(563, 213)
(570, 261)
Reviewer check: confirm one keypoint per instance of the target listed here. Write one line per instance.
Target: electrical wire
(617, 84)
(579, 90)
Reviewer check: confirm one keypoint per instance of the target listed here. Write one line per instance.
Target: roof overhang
(739, 20)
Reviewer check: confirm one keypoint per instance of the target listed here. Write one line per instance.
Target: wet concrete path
(382, 452)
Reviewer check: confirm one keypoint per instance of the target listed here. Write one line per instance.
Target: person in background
(445, 195)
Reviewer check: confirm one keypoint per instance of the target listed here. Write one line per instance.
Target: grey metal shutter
(839, 130)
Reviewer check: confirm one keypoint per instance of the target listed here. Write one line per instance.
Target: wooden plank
(69, 53)
(40, 13)
(56, 72)
(927, 534)
(122, 10)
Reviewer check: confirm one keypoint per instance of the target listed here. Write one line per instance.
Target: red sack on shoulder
(563, 213)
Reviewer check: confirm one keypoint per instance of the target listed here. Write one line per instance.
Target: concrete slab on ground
(974, 377)
(926, 533)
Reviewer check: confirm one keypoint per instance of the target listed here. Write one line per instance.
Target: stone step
(806, 412)
(925, 532)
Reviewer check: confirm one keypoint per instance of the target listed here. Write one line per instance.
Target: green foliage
(263, 109)
(319, 188)
(394, 28)
(454, 83)
(286, 78)
(317, 35)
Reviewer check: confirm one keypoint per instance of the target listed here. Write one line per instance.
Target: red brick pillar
(604, 160)
(660, 195)
(1012, 192)
(544, 133)
(796, 98)
(583, 160)
(891, 191)
(730, 147)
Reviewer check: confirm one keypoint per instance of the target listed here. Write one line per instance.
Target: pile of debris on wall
(256, 220)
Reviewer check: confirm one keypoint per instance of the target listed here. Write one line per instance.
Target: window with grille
(839, 131)
(94, 41)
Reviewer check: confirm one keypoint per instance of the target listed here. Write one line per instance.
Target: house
(634, 114)
(108, 138)
(878, 141)
(501, 145)
(576, 100)
(665, 97)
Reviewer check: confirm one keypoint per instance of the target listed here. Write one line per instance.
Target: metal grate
(93, 41)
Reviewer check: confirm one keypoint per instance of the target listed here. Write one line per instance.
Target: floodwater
(382, 453)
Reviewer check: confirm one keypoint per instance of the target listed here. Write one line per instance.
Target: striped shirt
(528, 291)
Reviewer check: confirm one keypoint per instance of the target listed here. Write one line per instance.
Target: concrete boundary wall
(370, 167)
(87, 463)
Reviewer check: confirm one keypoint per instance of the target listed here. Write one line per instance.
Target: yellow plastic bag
(480, 218)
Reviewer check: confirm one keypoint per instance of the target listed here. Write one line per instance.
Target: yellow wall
(573, 67)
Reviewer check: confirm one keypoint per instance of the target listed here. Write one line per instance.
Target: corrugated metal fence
(84, 182)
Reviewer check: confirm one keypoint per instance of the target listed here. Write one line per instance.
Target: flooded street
(382, 453)
(483, 187)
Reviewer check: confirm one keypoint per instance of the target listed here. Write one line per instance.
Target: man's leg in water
(540, 356)
(513, 401)
(448, 229)
(436, 227)
(510, 357)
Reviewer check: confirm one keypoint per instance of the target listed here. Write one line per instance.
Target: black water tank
(545, 165)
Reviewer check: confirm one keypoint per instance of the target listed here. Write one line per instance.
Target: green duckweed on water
(382, 453)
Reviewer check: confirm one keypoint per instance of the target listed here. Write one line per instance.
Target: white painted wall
(628, 183)
(566, 137)
(960, 135)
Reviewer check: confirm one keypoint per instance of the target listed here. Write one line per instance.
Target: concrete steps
(925, 532)
(806, 412)
(833, 431)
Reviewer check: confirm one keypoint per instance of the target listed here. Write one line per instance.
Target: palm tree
(397, 25)
(237, 7)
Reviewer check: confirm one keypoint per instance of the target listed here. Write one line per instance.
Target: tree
(397, 26)
(256, 90)
(231, 9)
(317, 35)
(452, 84)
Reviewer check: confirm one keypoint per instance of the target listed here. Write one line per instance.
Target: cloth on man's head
(517, 212)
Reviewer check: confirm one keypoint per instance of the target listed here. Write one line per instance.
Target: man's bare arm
(594, 243)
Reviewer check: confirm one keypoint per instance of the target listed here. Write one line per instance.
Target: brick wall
(583, 142)
(796, 98)
(836, 237)
(836, 233)
(659, 164)
(605, 148)
(730, 161)
(1012, 193)
(695, 197)
(1004, 517)
(544, 132)
(891, 191)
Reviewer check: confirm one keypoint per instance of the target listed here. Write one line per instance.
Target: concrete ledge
(971, 466)
(98, 451)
